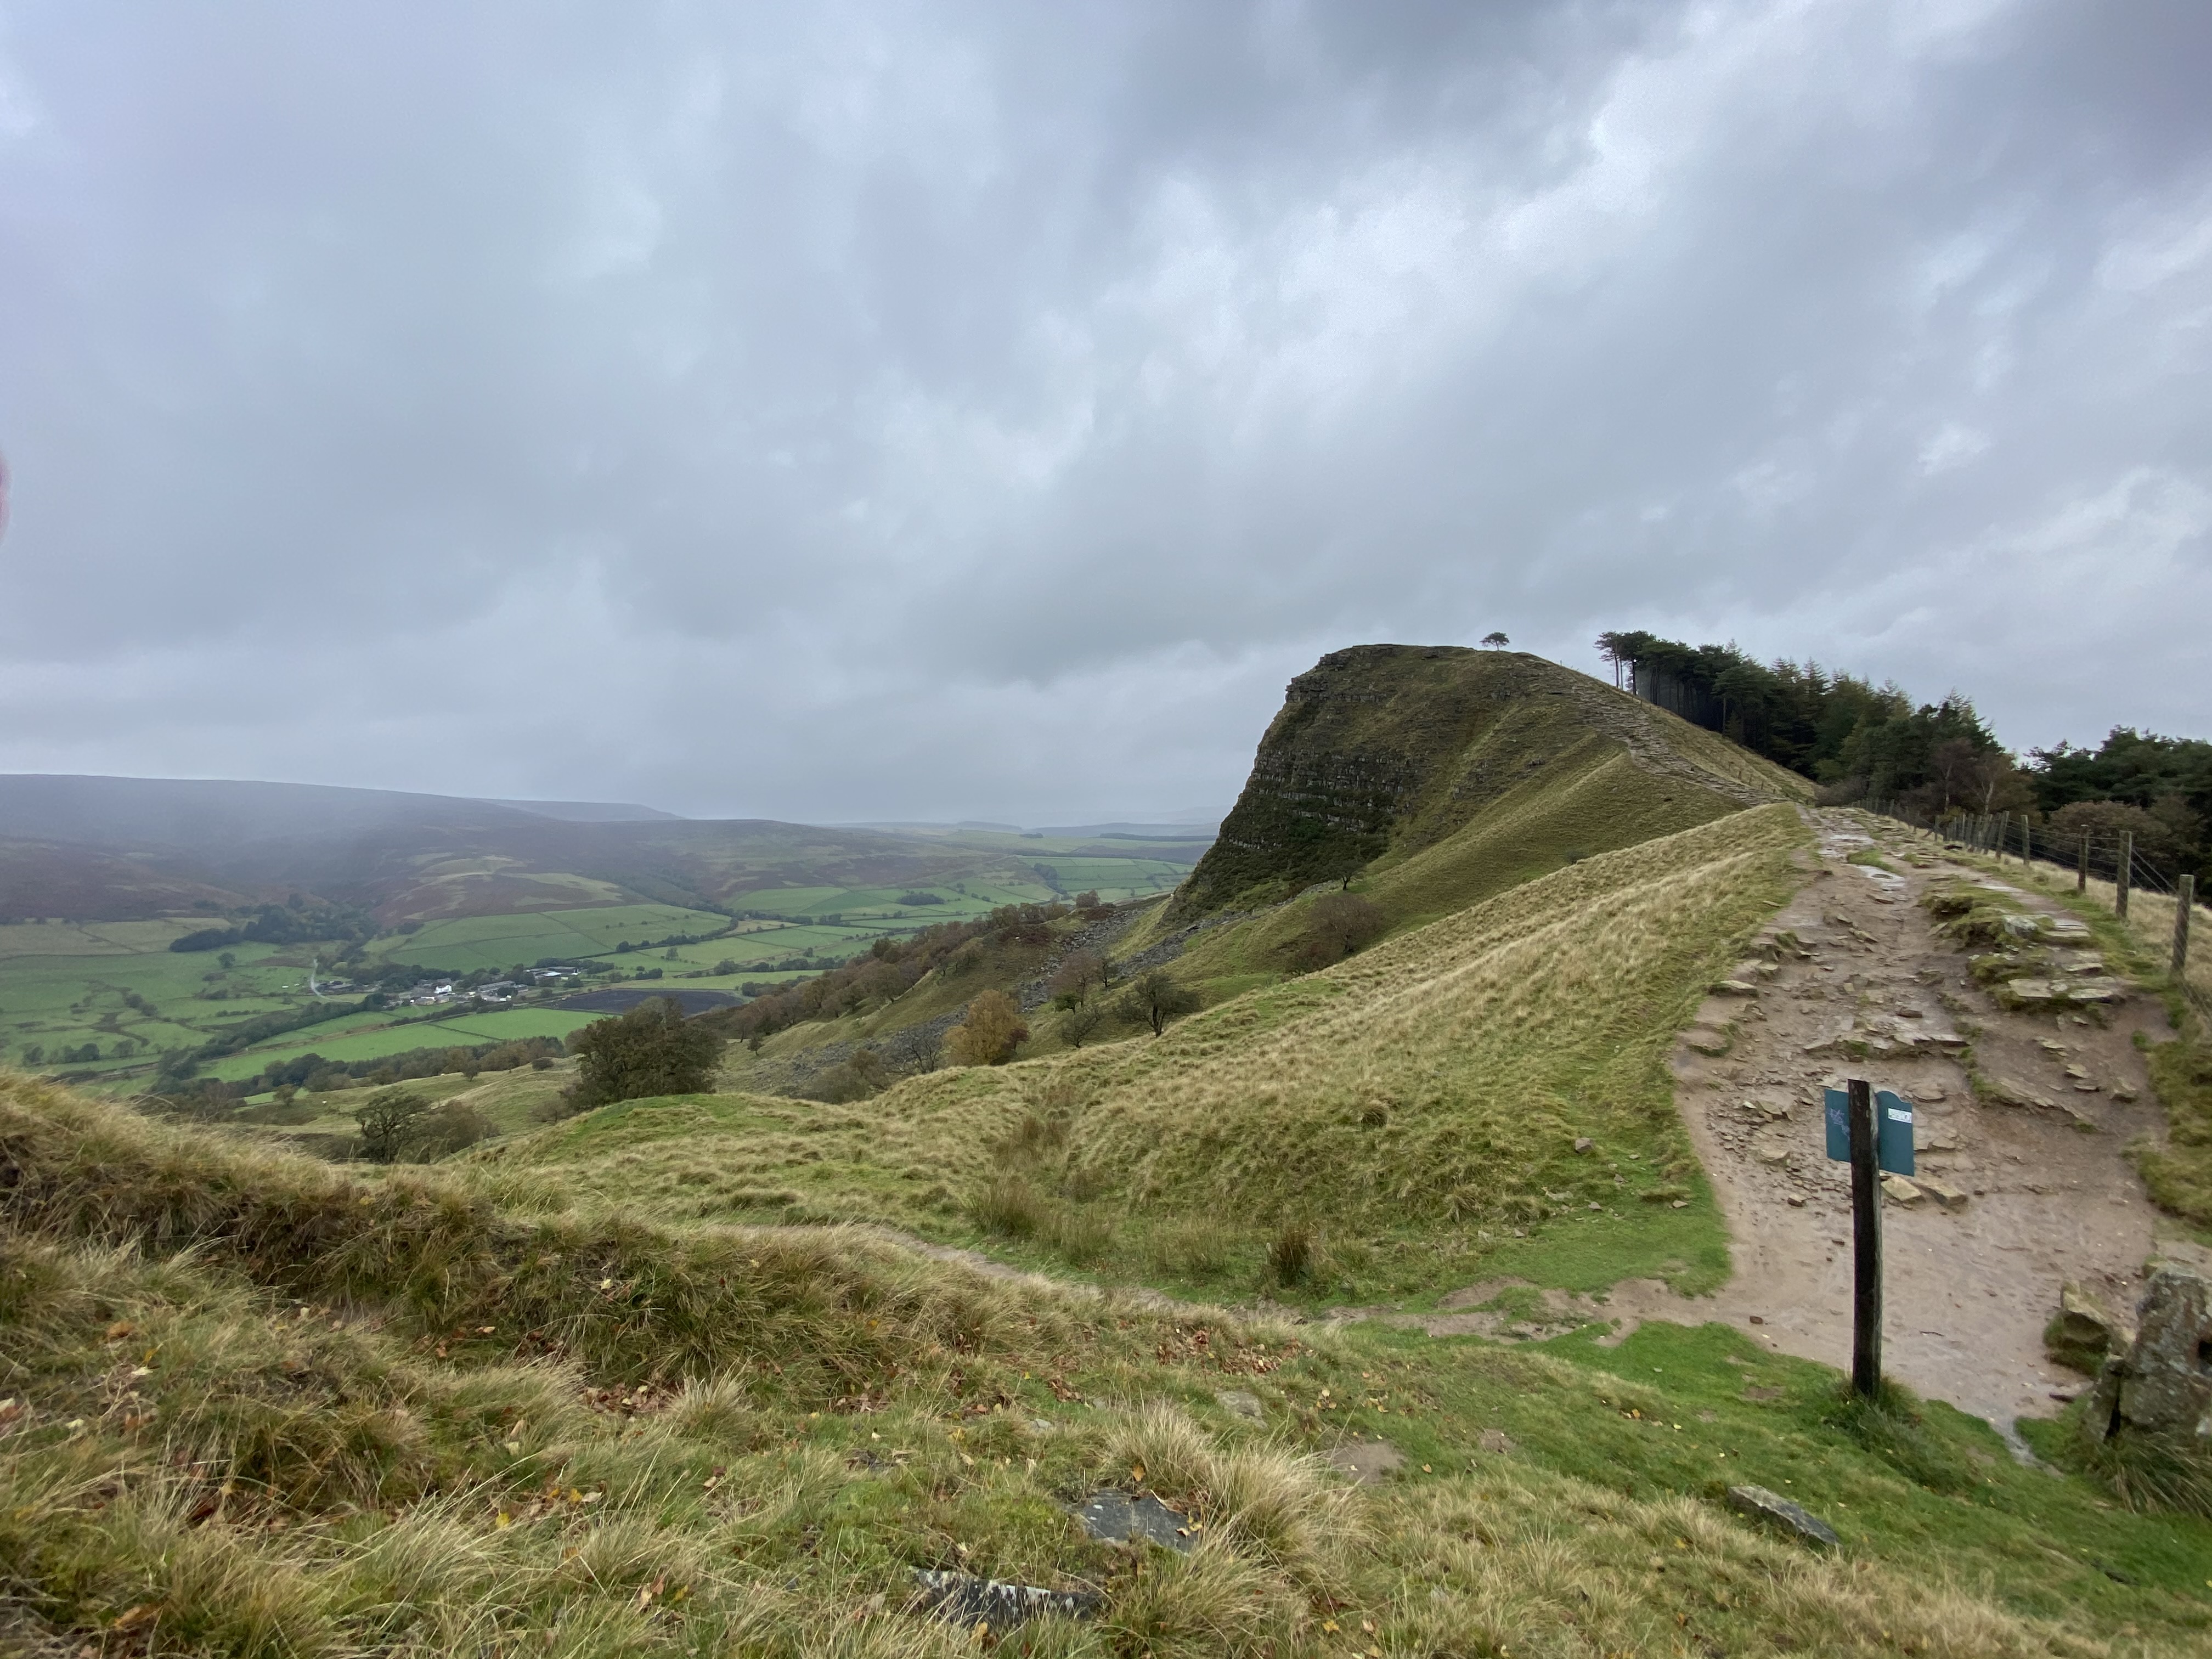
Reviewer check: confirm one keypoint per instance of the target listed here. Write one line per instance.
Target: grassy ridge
(252, 1408)
(1419, 1103)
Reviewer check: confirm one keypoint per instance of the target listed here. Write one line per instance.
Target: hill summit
(1382, 752)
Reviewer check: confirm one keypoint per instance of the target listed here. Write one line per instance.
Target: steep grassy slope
(1382, 752)
(1418, 1103)
(251, 1406)
(1430, 779)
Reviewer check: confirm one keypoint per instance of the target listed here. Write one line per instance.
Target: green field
(91, 939)
(63, 985)
(347, 1040)
(463, 943)
(77, 995)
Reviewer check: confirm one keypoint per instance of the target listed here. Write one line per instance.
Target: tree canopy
(651, 1050)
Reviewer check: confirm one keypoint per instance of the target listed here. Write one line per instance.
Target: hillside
(1383, 753)
(550, 1399)
(1419, 1103)
(1425, 779)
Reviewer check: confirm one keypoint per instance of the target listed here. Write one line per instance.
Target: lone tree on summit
(651, 1050)
(1496, 640)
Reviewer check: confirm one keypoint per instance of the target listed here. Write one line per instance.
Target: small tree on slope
(651, 1050)
(1154, 999)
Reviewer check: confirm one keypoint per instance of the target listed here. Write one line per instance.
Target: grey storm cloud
(979, 410)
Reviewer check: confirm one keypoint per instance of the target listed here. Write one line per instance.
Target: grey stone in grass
(1773, 1508)
(1241, 1402)
(962, 1598)
(1120, 1519)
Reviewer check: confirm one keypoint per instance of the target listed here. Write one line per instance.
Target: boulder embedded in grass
(1776, 1510)
(962, 1598)
(1119, 1518)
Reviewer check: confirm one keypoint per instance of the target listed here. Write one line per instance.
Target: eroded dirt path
(2048, 1194)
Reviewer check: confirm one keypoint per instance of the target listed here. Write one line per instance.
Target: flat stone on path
(1119, 1518)
(1774, 1508)
(1950, 1197)
(1367, 1460)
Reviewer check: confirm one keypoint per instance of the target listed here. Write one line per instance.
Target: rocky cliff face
(1382, 750)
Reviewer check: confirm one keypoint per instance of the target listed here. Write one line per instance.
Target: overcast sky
(934, 410)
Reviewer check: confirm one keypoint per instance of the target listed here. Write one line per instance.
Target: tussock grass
(442, 1262)
(202, 1451)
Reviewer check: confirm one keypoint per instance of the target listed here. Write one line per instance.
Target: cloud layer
(979, 410)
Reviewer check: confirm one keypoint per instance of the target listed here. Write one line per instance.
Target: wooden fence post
(1866, 1241)
(2081, 872)
(2187, 901)
(2126, 876)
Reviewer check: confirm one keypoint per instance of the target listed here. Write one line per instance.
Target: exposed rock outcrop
(2162, 1384)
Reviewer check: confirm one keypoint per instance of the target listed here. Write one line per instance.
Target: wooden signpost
(1873, 1135)
(2185, 901)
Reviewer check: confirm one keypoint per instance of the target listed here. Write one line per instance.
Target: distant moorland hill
(132, 848)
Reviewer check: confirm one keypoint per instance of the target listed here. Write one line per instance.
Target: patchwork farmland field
(105, 1000)
(467, 943)
(334, 1043)
(118, 988)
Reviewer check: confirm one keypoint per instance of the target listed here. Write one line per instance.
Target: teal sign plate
(1893, 1115)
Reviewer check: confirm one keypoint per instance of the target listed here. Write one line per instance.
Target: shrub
(1338, 925)
(446, 1128)
(651, 1050)
(1153, 998)
(990, 1033)
(1080, 1023)
(387, 1121)
(1077, 973)
(860, 1078)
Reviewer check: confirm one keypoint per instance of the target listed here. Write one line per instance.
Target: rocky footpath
(2026, 1104)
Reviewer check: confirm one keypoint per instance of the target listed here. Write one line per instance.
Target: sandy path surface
(2050, 1195)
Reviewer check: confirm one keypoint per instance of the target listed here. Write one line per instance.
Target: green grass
(463, 943)
(260, 1406)
(1417, 1104)
(93, 939)
(499, 1026)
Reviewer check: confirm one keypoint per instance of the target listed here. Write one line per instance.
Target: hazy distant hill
(592, 811)
(128, 847)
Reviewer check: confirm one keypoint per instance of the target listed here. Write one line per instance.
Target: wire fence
(2107, 863)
